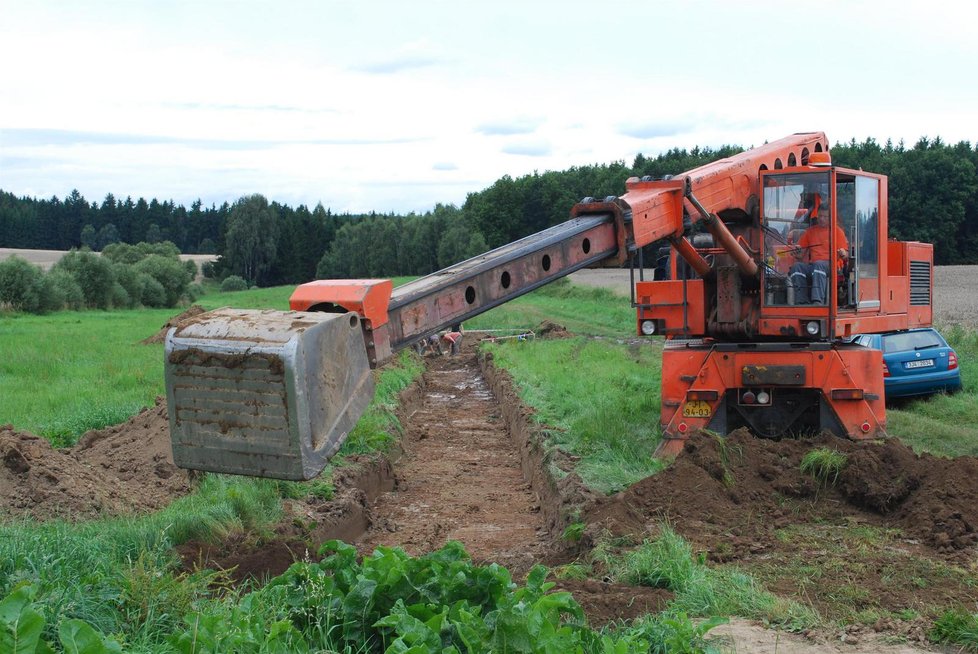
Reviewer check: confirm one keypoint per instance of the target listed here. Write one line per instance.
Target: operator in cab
(810, 274)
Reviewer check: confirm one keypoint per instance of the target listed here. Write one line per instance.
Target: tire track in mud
(460, 477)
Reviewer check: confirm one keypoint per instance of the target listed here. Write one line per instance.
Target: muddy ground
(122, 469)
(471, 468)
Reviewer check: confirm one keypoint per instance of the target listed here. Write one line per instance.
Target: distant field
(47, 258)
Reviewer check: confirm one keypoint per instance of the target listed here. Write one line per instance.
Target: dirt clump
(118, 470)
(160, 337)
(548, 329)
(242, 558)
(605, 602)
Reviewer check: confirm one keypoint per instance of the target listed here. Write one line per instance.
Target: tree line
(933, 198)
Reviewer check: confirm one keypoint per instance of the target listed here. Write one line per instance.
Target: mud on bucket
(264, 393)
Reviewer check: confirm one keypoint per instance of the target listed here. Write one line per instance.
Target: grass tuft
(956, 628)
(824, 465)
(99, 570)
(669, 562)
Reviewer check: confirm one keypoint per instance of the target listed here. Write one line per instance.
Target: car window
(909, 341)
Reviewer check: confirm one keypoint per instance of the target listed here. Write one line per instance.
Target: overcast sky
(394, 106)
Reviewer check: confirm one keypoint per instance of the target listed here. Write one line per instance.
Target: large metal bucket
(264, 393)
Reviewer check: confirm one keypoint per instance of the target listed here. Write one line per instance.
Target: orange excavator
(755, 335)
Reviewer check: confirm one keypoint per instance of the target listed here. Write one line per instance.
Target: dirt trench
(460, 477)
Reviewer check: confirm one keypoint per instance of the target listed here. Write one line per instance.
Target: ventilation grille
(920, 283)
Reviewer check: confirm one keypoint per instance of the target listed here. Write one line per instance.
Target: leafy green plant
(441, 601)
(676, 633)
(22, 628)
(824, 464)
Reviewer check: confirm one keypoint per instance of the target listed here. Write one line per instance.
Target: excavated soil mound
(160, 336)
(744, 500)
(744, 487)
(119, 470)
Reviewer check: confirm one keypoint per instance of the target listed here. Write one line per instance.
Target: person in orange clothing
(809, 276)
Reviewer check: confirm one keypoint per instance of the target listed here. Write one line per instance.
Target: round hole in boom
(586, 245)
(546, 262)
(791, 159)
(804, 156)
(818, 147)
(470, 294)
(354, 321)
(777, 164)
(505, 280)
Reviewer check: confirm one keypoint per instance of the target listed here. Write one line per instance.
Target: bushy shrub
(163, 248)
(152, 293)
(94, 275)
(191, 267)
(194, 292)
(51, 296)
(128, 278)
(233, 283)
(126, 253)
(20, 285)
(122, 253)
(120, 297)
(170, 274)
(67, 288)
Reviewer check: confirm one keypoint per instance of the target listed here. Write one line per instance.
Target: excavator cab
(790, 200)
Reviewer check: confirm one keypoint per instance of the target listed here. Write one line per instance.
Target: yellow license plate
(697, 409)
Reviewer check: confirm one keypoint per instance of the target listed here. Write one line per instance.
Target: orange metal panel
(666, 303)
(657, 209)
(685, 369)
(896, 295)
(367, 297)
(896, 255)
(680, 367)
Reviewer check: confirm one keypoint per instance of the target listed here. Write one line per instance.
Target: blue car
(915, 362)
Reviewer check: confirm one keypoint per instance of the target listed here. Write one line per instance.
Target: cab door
(858, 214)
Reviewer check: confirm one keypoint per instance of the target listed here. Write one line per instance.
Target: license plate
(697, 409)
(923, 363)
